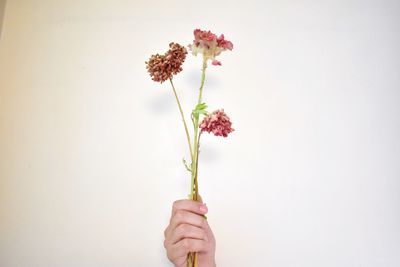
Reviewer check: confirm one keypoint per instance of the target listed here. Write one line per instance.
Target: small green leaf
(186, 165)
(201, 106)
(200, 109)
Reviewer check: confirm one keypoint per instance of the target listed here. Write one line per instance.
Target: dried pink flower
(175, 57)
(205, 36)
(216, 62)
(218, 123)
(225, 44)
(163, 67)
(208, 44)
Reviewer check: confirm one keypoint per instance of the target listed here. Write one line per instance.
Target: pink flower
(208, 44)
(216, 62)
(225, 44)
(205, 36)
(218, 123)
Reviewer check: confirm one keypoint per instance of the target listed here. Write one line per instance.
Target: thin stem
(196, 184)
(203, 78)
(193, 185)
(183, 119)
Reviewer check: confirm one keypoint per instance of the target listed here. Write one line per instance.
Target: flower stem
(194, 192)
(196, 184)
(203, 78)
(183, 119)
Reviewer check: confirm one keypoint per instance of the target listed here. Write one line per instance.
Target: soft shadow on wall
(2, 7)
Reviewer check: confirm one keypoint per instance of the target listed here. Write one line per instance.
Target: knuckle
(186, 244)
(184, 228)
(175, 204)
(180, 215)
(179, 230)
(204, 235)
(169, 256)
(165, 232)
(204, 246)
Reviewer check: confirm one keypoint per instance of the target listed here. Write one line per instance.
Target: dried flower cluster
(217, 123)
(163, 67)
(208, 44)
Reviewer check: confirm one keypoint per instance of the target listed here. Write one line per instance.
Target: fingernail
(203, 208)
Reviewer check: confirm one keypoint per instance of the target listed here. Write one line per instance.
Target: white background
(91, 148)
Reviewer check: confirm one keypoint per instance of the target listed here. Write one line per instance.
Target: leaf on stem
(186, 165)
(200, 109)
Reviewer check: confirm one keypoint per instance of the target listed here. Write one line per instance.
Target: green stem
(193, 185)
(196, 184)
(183, 119)
(203, 78)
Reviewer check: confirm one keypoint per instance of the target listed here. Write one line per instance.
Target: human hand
(188, 231)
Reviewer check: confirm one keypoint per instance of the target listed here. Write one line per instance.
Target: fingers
(189, 205)
(182, 216)
(189, 213)
(187, 231)
(186, 245)
(209, 233)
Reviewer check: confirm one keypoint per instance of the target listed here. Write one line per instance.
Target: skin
(188, 231)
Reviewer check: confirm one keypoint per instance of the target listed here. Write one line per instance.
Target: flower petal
(216, 63)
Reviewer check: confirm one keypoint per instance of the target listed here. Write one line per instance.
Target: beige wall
(2, 7)
(91, 148)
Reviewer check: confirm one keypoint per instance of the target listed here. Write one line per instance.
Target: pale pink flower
(217, 123)
(216, 62)
(225, 44)
(208, 44)
(205, 36)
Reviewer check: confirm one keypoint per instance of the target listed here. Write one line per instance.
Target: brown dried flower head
(163, 67)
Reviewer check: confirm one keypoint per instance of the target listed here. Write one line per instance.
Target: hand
(188, 231)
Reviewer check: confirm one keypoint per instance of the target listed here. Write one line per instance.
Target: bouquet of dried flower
(163, 68)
